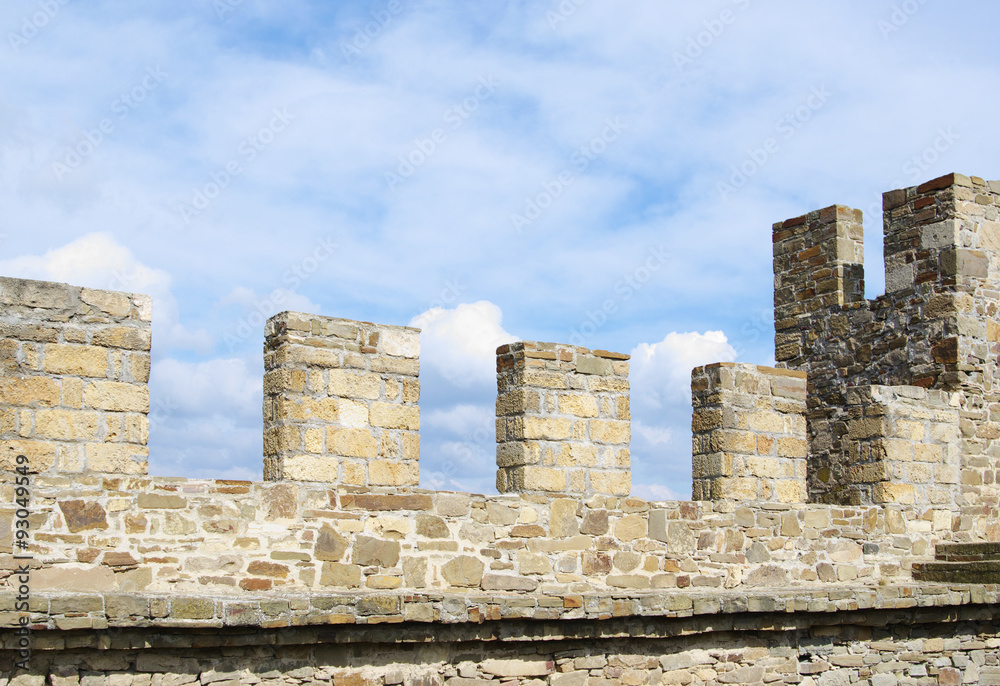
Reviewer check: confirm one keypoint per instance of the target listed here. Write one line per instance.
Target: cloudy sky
(603, 173)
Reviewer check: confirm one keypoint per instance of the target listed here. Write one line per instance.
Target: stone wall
(904, 445)
(887, 416)
(74, 364)
(745, 645)
(563, 422)
(935, 327)
(161, 535)
(748, 433)
(340, 401)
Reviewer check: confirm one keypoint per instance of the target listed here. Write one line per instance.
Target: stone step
(986, 572)
(967, 552)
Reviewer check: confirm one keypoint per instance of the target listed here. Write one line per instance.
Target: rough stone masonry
(844, 527)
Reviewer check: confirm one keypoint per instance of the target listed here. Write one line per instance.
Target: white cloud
(474, 422)
(98, 260)
(205, 418)
(278, 300)
(661, 372)
(652, 435)
(660, 379)
(461, 343)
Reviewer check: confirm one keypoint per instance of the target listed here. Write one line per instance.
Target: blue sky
(542, 170)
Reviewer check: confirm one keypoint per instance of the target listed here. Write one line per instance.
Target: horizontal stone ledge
(101, 611)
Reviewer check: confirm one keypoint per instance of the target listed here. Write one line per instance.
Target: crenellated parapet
(935, 328)
(74, 369)
(341, 401)
(823, 491)
(563, 420)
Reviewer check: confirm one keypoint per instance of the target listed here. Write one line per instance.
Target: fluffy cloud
(460, 343)
(661, 372)
(205, 418)
(661, 409)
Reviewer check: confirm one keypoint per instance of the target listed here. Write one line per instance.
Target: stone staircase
(961, 563)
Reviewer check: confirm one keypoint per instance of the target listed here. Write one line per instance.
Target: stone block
(392, 416)
(354, 384)
(75, 360)
(463, 571)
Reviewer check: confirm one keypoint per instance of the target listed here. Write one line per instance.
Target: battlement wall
(935, 327)
(822, 487)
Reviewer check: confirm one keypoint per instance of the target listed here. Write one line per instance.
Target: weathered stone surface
(330, 545)
(463, 571)
(375, 551)
(83, 516)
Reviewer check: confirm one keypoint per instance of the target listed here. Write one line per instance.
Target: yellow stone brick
(611, 483)
(576, 454)
(734, 442)
(543, 379)
(411, 391)
(735, 489)
(351, 384)
(923, 452)
(117, 458)
(610, 431)
(313, 440)
(893, 493)
(70, 458)
(29, 391)
(388, 444)
(282, 380)
(72, 393)
(391, 389)
(356, 472)
(127, 337)
(301, 355)
(114, 426)
(790, 491)
(792, 447)
(578, 405)
(281, 439)
(411, 445)
(77, 360)
(623, 458)
(544, 479)
(393, 473)
(111, 302)
(898, 450)
(768, 422)
(116, 397)
(516, 402)
(8, 420)
(8, 354)
(315, 383)
(310, 468)
(909, 430)
(391, 416)
(351, 442)
(764, 467)
(624, 411)
(67, 425)
(137, 428)
(25, 423)
(352, 414)
(547, 428)
(41, 454)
